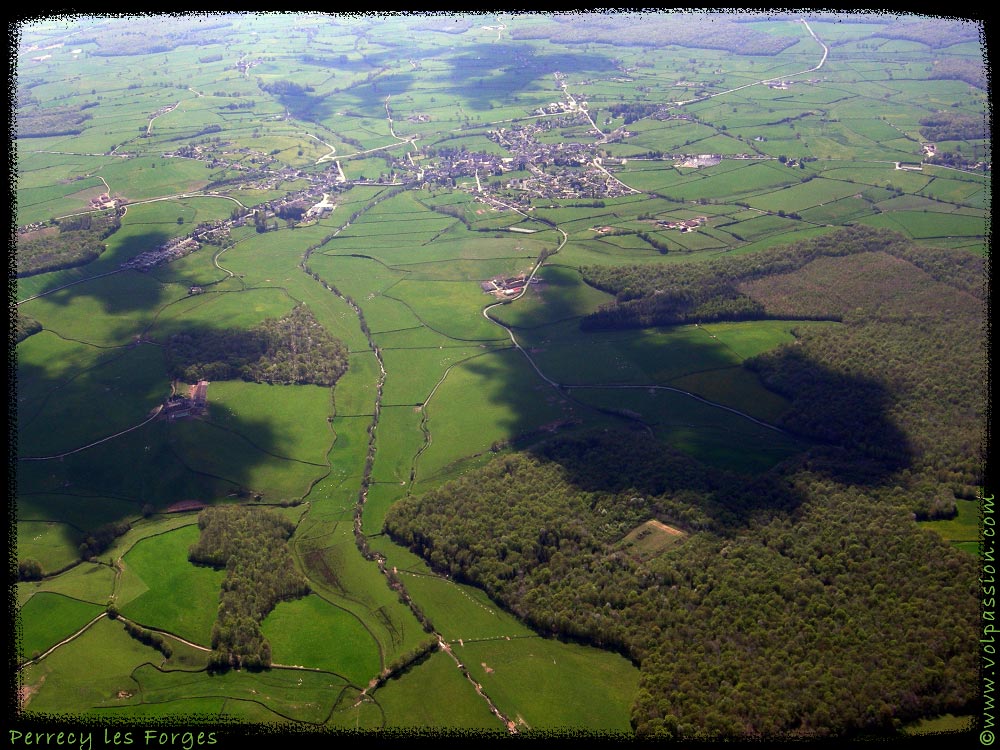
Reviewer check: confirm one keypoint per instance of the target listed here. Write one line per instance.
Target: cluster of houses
(104, 202)
(176, 248)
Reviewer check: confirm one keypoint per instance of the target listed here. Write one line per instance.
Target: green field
(176, 595)
(313, 633)
(404, 701)
(543, 684)
(48, 618)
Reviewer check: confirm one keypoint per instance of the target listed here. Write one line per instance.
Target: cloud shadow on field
(485, 72)
(843, 422)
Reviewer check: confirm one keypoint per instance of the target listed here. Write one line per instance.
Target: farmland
(555, 369)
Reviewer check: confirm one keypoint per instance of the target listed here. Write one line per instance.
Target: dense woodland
(656, 31)
(969, 71)
(250, 543)
(817, 563)
(79, 241)
(949, 126)
(788, 568)
(933, 33)
(295, 349)
(39, 122)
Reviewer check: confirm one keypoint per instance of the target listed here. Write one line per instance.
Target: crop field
(398, 177)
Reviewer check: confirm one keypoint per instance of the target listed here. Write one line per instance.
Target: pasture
(178, 596)
(313, 633)
(85, 582)
(405, 700)
(543, 684)
(48, 618)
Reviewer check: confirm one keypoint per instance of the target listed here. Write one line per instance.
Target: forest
(627, 29)
(295, 349)
(250, 543)
(43, 122)
(790, 568)
(947, 126)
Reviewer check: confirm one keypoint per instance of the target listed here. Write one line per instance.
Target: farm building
(504, 286)
(688, 225)
(192, 405)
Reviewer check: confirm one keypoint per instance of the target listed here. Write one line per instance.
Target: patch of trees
(25, 327)
(295, 349)
(79, 241)
(210, 58)
(787, 591)
(101, 538)
(633, 111)
(251, 544)
(657, 244)
(23, 97)
(951, 126)
(42, 122)
(972, 73)
(283, 87)
(294, 210)
(29, 569)
(454, 211)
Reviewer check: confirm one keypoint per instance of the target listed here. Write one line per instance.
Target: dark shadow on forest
(844, 419)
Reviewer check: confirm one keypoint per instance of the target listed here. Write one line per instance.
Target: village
(554, 171)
